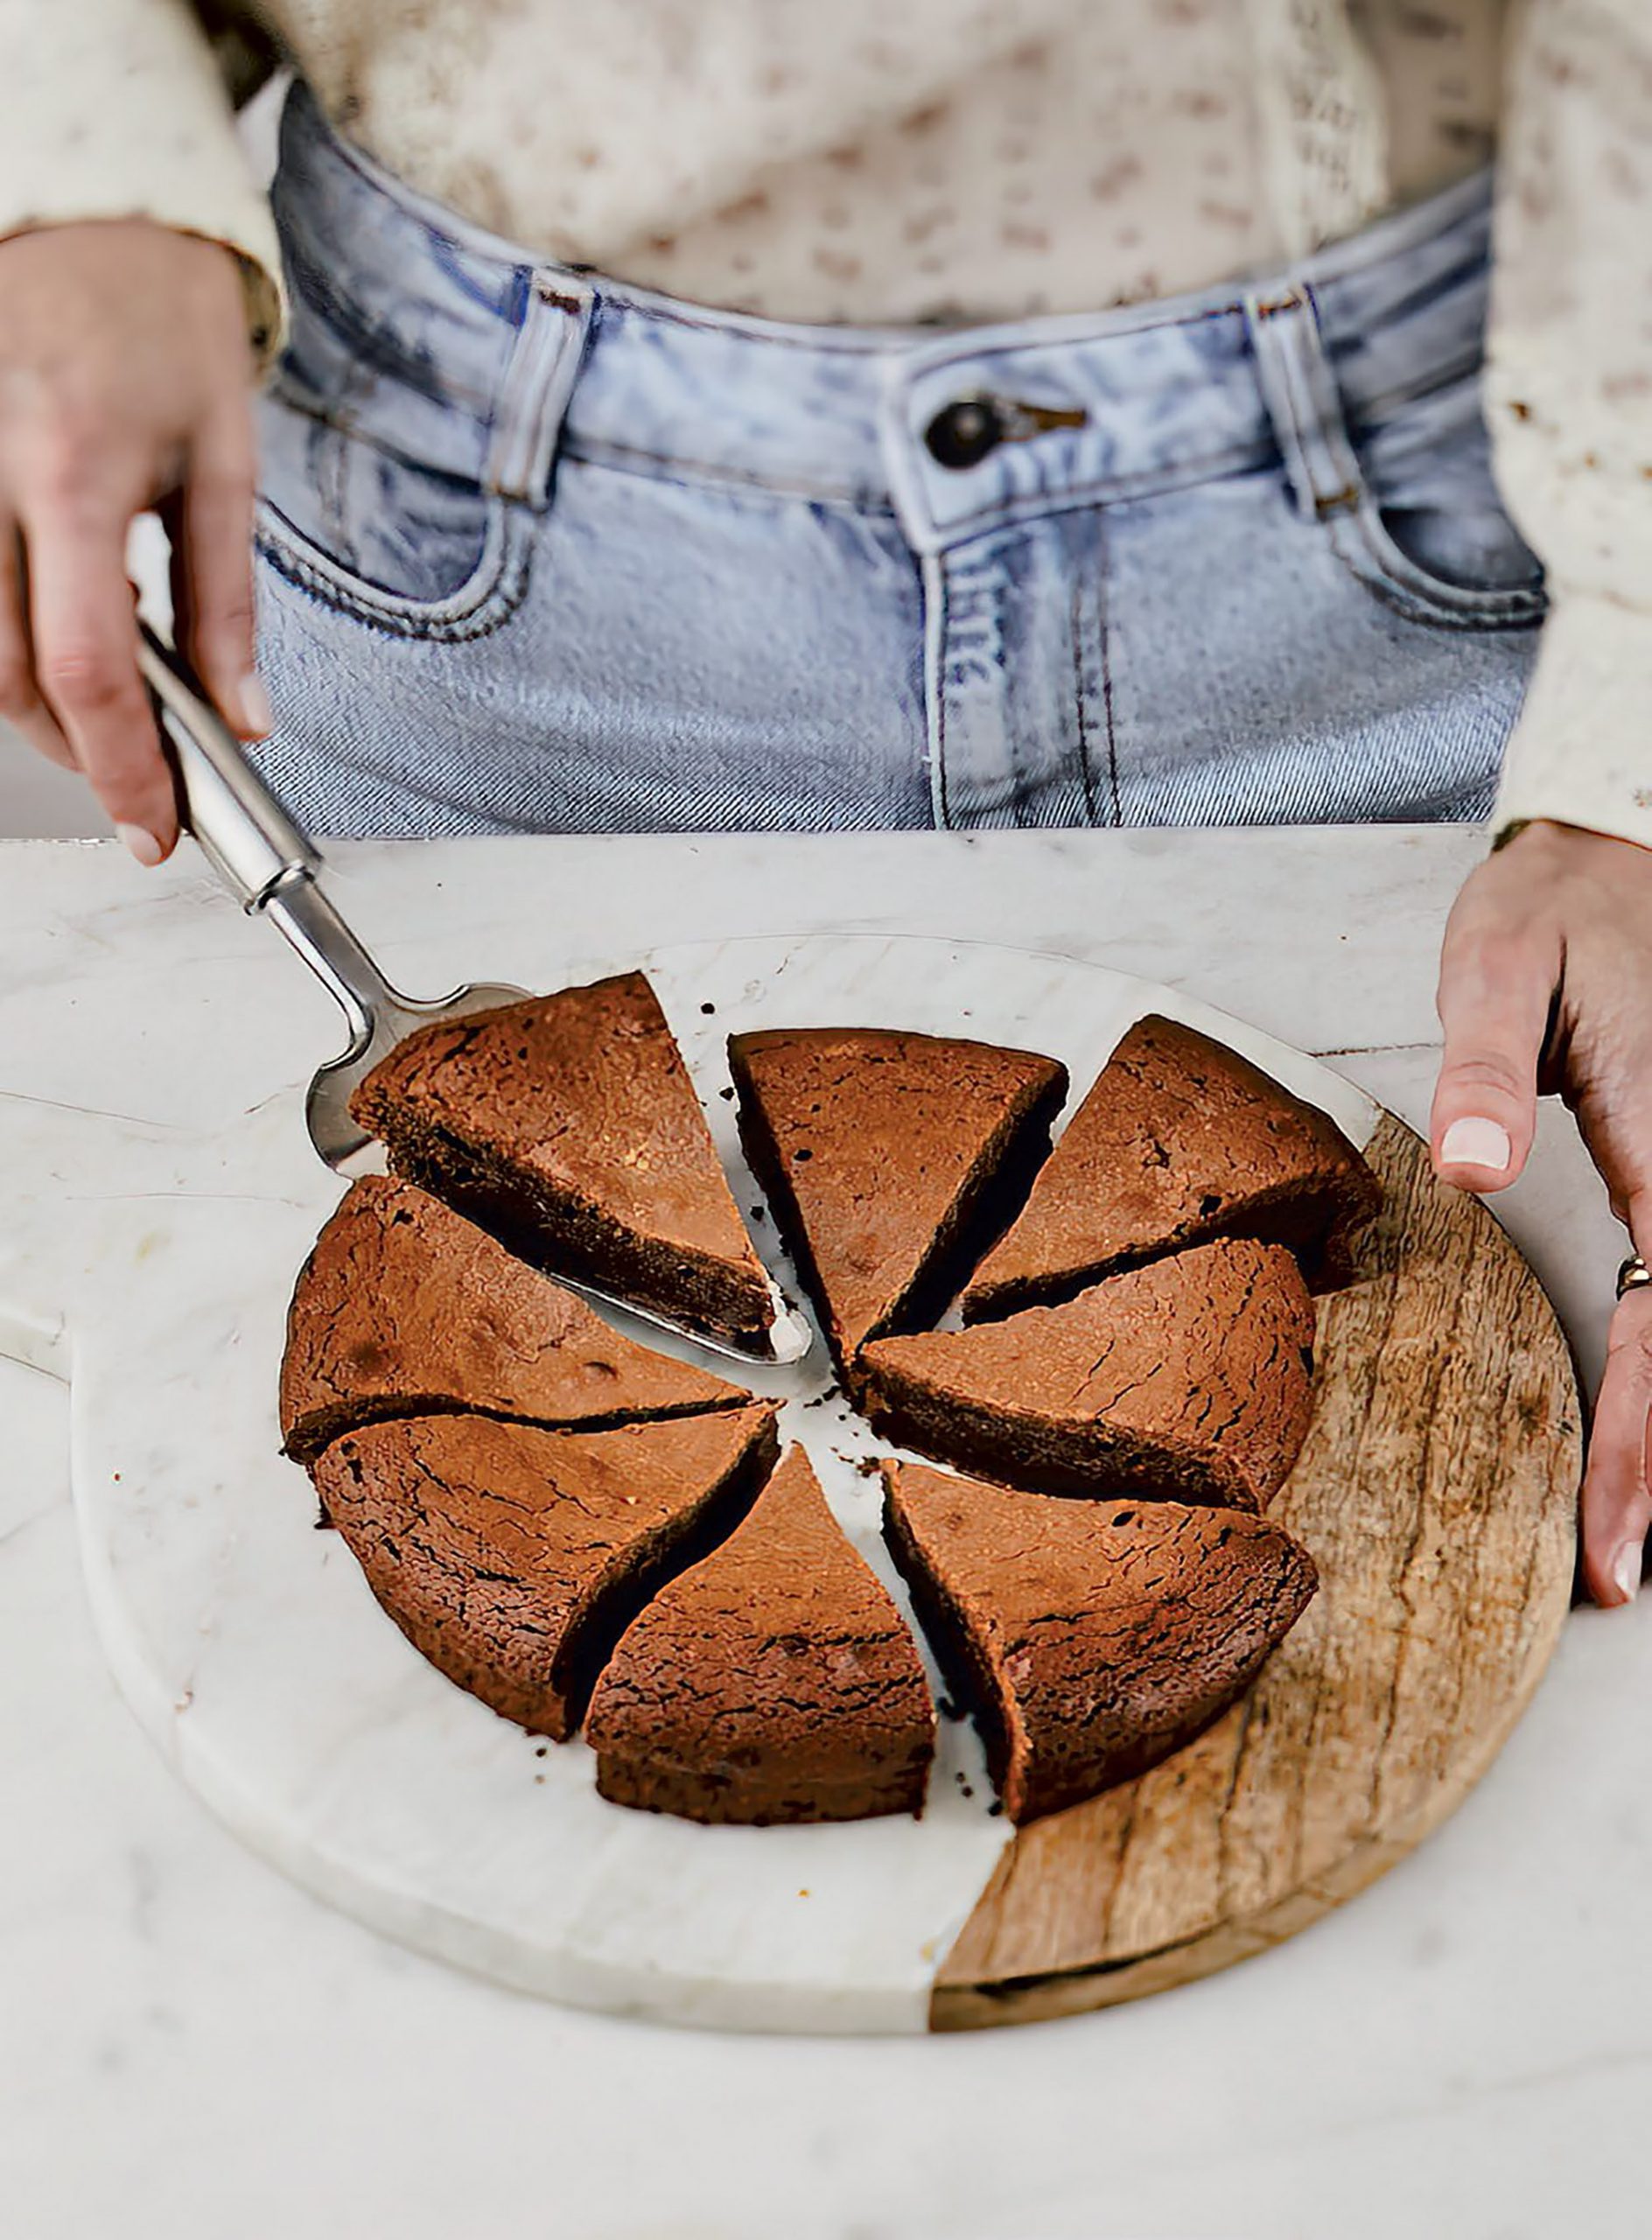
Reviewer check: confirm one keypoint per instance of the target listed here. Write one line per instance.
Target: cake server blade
(272, 869)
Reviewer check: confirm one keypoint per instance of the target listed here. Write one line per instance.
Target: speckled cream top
(964, 159)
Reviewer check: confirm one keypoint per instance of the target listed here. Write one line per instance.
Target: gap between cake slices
(405, 1307)
(514, 1558)
(775, 1682)
(1089, 1640)
(1179, 1139)
(890, 1160)
(1186, 1379)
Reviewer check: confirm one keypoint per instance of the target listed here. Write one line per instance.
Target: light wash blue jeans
(542, 553)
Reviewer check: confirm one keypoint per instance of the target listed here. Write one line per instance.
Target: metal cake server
(272, 869)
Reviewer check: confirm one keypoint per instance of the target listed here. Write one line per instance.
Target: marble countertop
(189, 2046)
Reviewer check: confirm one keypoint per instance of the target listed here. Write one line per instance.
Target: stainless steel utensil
(271, 869)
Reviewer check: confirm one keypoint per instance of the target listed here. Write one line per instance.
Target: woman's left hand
(1546, 984)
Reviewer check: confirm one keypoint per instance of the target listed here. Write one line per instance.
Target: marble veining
(192, 2048)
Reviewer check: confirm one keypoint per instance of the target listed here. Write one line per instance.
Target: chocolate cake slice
(774, 1682)
(1187, 1380)
(889, 1161)
(1180, 1140)
(1089, 1640)
(514, 1558)
(405, 1309)
(569, 1127)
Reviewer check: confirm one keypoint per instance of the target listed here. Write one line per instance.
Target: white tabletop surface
(189, 2047)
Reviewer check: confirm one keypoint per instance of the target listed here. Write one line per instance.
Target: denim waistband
(474, 357)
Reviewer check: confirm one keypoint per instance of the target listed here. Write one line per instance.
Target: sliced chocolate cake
(774, 1682)
(1180, 1140)
(1089, 1640)
(889, 1161)
(569, 1127)
(403, 1308)
(1189, 1379)
(514, 1558)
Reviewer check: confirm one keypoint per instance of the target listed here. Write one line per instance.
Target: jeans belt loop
(1299, 390)
(539, 380)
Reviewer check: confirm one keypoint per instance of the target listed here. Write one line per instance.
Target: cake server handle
(245, 834)
(259, 853)
(270, 867)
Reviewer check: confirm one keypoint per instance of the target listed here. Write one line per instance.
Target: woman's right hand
(126, 383)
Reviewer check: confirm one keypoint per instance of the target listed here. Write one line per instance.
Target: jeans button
(962, 432)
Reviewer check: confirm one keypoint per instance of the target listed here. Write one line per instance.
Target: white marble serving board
(152, 1263)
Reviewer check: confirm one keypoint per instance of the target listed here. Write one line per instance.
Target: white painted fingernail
(143, 845)
(1625, 1569)
(1477, 1143)
(256, 714)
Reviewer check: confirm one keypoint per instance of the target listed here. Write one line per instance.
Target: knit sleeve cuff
(115, 109)
(1582, 751)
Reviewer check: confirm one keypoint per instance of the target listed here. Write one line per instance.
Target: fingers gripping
(20, 702)
(85, 664)
(212, 529)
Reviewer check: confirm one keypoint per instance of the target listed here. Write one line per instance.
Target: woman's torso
(542, 552)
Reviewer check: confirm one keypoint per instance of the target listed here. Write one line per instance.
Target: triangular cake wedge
(403, 1308)
(1189, 1379)
(569, 1127)
(774, 1682)
(890, 1161)
(514, 1558)
(1180, 1140)
(1088, 1639)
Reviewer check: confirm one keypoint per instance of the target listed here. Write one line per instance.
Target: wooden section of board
(1437, 1492)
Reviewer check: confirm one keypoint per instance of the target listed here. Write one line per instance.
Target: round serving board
(1435, 1491)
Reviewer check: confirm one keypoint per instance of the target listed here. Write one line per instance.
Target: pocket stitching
(1379, 565)
(488, 597)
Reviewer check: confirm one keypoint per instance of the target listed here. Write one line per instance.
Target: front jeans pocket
(395, 545)
(1426, 530)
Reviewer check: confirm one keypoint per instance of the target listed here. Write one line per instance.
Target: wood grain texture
(1437, 1492)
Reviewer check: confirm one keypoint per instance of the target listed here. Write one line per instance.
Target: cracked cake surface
(568, 1125)
(514, 1558)
(774, 1682)
(1088, 1639)
(890, 1160)
(559, 1518)
(403, 1307)
(1181, 1139)
(1188, 1378)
